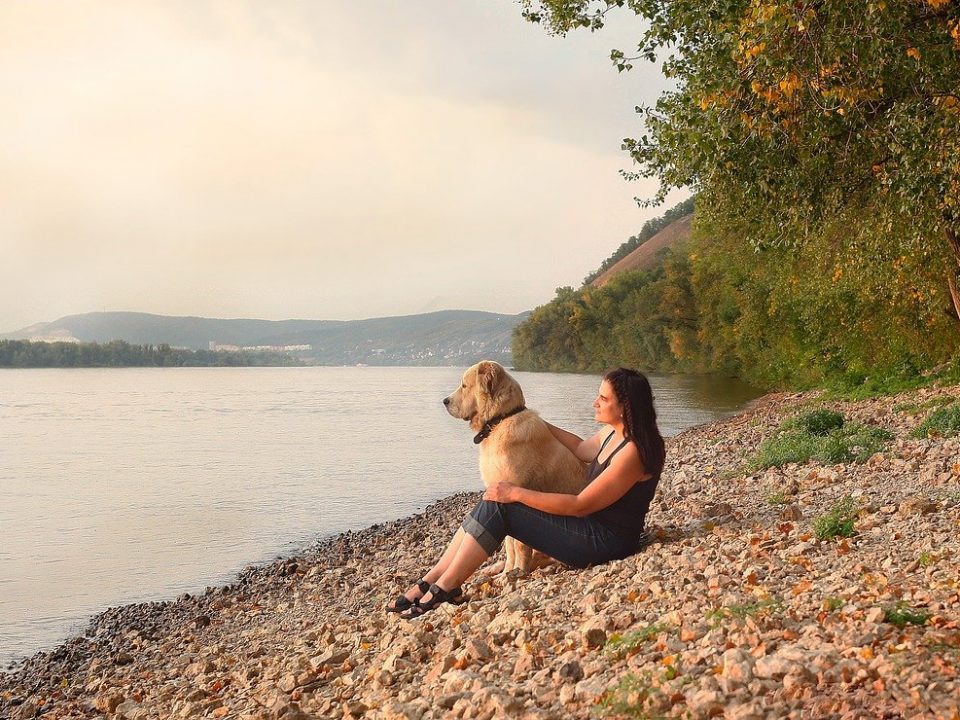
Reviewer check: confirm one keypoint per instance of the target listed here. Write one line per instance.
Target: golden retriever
(516, 446)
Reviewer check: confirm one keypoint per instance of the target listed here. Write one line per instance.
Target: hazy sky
(317, 159)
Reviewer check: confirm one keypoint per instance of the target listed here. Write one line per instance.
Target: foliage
(777, 498)
(620, 646)
(943, 422)
(819, 422)
(793, 443)
(741, 611)
(823, 142)
(25, 354)
(649, 229)
(831, 316)
(628, 697)
(912, 408)
(832, 604)
(786, 115)
(902, 615)
(839, 522)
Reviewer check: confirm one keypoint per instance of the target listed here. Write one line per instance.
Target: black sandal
(438, 596)
(402, 603)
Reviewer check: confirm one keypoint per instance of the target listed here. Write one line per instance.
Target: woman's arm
(611, 485)
(585, 450)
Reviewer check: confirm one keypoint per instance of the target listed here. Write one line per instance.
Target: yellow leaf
(914, 53)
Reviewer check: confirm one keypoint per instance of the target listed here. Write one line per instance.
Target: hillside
(448, 337)
(645, 256)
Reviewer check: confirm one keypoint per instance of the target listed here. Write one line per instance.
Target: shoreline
(729, 609)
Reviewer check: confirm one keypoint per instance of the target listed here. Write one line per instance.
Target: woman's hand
(501, 492)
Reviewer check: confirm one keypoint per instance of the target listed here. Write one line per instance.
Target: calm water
(125, 485)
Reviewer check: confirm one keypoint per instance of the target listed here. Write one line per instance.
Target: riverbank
(734, 608)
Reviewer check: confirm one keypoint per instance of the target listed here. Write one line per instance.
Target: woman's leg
(575, 541)
(436, 572)
(465, 560)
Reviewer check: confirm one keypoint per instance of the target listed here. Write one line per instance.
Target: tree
(789, 112)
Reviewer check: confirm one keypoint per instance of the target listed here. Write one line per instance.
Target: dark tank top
(627, 515)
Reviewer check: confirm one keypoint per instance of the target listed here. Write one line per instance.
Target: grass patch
(819, 422)
(838, 522)
(902, 615)
(741, 611)
(628, 697)
(819, 435)
(777, 499)
(859, 386)
(832, 604)
(943, 422)
(926, 559)
(913, 408)
(620, 646)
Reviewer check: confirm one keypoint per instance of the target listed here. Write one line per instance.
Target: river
(128, 485)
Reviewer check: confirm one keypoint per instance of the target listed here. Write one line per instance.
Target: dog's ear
(489, 375)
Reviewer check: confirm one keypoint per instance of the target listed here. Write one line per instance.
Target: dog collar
(490, 424)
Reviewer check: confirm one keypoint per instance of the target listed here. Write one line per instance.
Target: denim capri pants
(574, 541)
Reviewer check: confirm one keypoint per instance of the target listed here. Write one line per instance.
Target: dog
(516, 446)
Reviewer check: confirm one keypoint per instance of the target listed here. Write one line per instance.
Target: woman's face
(606, 408)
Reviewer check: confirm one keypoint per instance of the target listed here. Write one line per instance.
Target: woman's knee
(487, 525)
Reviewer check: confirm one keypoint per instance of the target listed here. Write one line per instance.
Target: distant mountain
(448, 337)
(647, 255)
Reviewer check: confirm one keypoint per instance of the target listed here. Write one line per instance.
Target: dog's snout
(446, 401)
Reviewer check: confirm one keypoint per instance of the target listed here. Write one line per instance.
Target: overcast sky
(319, 159)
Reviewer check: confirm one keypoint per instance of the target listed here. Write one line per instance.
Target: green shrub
(839, 522)
(777, 499)
(901, 615)
(741, 611)
(832, 604)
(862, 441)
(620, 646)
(820, 435)
(817, 422)
(629, 697)
(943, 422)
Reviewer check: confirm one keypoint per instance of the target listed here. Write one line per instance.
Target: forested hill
(821, 141)
(449, 337)
(649, 254)
(694, 297)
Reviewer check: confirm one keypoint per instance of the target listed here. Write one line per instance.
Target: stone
(569, 672)
(594, 638)
(476, 649)
(917, 505)
(329, 657)
(737, 668)
(287, 683)
(791, 512)
(108, 702)
(706, 702)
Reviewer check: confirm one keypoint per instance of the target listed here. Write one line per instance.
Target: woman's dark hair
(639, 416)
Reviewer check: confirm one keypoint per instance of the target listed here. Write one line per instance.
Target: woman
(604, 522)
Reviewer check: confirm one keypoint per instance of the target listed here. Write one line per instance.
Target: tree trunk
(952, 273)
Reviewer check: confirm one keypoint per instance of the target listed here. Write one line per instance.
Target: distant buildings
(215, 346)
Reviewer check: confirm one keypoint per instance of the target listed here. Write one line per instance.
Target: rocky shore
(735, 608)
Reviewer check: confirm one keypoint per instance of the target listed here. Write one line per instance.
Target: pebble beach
(734, 608)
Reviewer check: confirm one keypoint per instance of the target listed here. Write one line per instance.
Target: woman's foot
(434, 597)
(409, 599)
